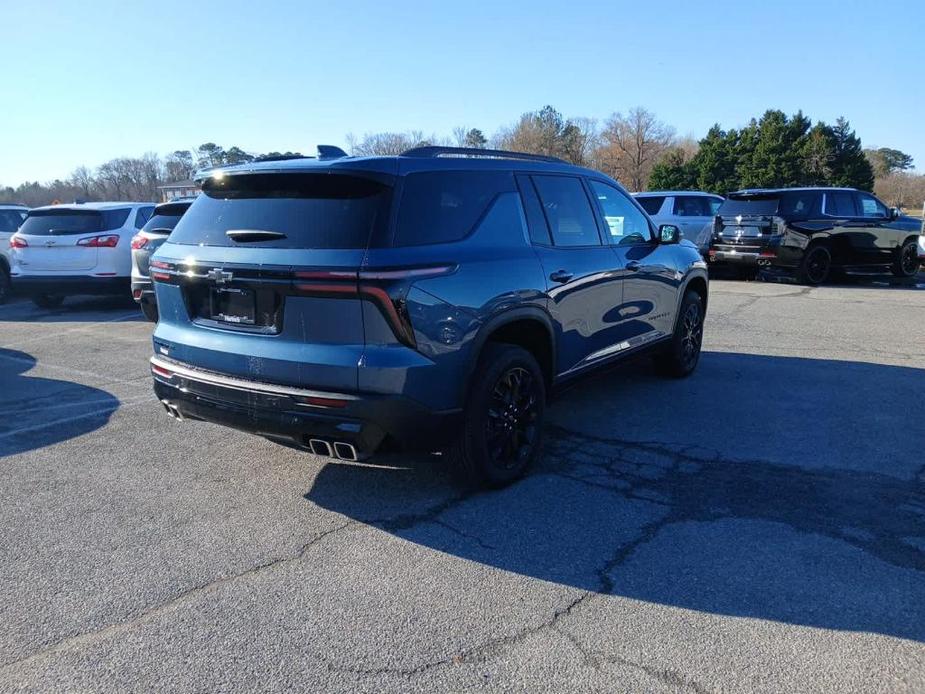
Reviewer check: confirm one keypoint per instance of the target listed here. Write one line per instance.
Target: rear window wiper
(253, 235)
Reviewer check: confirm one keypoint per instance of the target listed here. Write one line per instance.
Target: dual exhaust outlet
(327, 449)
(337, 449)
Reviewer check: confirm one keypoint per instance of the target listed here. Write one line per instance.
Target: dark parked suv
(145, 243)
(428, 301)
(812, 231)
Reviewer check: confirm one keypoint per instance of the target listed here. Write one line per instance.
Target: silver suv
(689, 210)
(11, 217)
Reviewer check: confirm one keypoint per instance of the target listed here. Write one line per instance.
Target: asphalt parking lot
(758, 527)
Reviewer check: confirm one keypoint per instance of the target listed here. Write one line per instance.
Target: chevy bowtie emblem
(219, 276)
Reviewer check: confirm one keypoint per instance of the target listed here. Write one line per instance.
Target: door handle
(561, 276)
(632, 265)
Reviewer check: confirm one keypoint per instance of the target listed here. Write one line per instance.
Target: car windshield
(10, 219)
(303, 210)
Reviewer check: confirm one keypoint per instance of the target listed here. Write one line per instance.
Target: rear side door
(650, 277)
(694, 215)
(583, 275)
(881, 241)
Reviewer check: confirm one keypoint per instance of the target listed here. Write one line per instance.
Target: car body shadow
(37, 412)
(745, 490)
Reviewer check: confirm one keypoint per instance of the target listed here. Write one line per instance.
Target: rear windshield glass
(166, 217)
(444, 206)
(68, 221)
(10, 220)
(749, 205)
(309, 210)
(651, 204)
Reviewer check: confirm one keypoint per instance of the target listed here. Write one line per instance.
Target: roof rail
(434, 151)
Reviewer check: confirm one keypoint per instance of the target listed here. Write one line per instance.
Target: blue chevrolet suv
(425, 301)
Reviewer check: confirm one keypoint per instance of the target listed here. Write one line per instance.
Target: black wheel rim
(909, 260)
(692, 335)
(513, 412)
(817, 265)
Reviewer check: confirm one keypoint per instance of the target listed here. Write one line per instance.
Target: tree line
(634, 147)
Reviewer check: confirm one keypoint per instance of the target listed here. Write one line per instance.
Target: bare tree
(546, 132)
(631, 145)
(389, 144)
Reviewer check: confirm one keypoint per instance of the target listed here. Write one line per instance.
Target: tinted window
(444, 206)
(757, 205)
(651, 204)
(715, 204)
(10, 220)
(870, 206)
(143, 215)
(625, 223)
(312, 210)
(840, 204)
(504, 222)
(166, 216)
(536, 220)
(692, 206)
(69, 221)
(567, 210)
(800, 204)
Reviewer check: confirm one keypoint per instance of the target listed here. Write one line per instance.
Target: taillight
(156, 265)
(18, 242)
(139, 241)
(107, 241)
(385, 288)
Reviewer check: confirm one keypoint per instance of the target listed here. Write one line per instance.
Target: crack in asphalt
(116, 628)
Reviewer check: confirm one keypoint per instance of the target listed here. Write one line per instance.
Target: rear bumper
(69, 285)
(363, 420)
(739, 258)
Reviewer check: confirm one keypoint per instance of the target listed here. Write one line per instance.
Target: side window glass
(870, 206)
(626, 225)
(651, 203)
(715, 204)
(536, 221)
(568, 211)
(840, 204)
(504, 220)
(691, 206)
(142, 216)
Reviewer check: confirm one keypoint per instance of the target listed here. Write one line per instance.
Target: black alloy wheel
(691, 336)
(511, 422)
(907, 265)
(816, 265)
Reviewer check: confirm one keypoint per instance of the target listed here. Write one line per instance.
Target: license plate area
(233, 305)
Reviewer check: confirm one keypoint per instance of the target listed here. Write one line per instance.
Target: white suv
(84, 248)
(11, 217)
(690, 210)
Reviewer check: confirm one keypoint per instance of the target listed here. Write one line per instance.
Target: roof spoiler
(435, 151)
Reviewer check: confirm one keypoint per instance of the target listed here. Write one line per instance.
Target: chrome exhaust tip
(172, 410)
(345, 451)
(320, 447)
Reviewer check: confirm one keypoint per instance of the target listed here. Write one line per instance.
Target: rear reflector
(160, 371)
(317, 401)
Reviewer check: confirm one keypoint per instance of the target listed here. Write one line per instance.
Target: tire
(907, 261)
(683, 352)
(816, 266)
(502, 427)
(48, 300)
(149, 309)
(5, 285)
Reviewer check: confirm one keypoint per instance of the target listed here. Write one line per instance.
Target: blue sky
(85, 82)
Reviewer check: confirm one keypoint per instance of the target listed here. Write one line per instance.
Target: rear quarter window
(445, 206)
(10, 220)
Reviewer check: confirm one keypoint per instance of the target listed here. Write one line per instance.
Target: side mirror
(669, 233)
(894, 213)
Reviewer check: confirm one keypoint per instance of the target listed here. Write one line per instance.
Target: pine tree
(849, 166)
